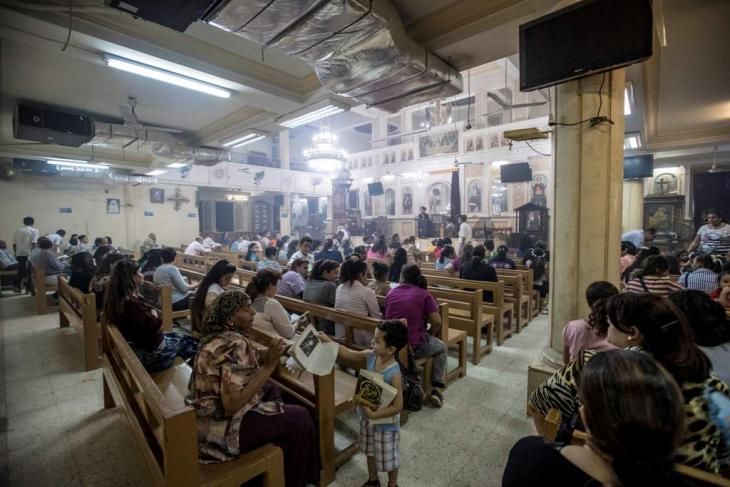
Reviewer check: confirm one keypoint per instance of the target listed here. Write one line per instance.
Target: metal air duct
(358, 48)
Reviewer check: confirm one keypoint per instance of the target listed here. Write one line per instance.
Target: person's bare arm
(694, 244)
(352, 359)
(435, 320)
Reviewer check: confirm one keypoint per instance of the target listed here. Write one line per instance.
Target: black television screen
(515, 173)
(639, 166)
(585, 38)
(375, 189)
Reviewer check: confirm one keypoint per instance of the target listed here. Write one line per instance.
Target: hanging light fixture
(324, 155)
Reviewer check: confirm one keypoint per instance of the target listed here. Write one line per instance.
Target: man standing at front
(24, 242)
(464, 233)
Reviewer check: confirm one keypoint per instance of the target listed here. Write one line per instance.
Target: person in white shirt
(304, 252)
(57, 241)
(640, 238)
(196, 247)
(464, 233)
(150, 243)
(24, 242)
(210, 244)
(84, 243)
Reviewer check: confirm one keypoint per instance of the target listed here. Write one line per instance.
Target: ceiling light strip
(156, 172)
(165, 76)
(323, 112)
(83, 164)
(239, 139)
(249, 141)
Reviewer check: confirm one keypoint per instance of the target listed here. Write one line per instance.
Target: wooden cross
(178, 198)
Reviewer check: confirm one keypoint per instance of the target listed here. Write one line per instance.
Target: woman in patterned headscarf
(237, 410)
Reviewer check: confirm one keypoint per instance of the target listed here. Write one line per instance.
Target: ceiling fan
(131, 121)
(506, 105)
(714, 168)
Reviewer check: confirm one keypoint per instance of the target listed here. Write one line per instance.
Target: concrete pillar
(588, 175)
(633, 205)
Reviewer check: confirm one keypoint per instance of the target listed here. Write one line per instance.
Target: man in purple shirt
(412, 302)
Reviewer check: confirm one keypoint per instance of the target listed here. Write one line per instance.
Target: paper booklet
(372, 391)
(312, 354)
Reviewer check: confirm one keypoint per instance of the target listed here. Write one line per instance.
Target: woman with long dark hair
(400, 258)
(354, 296)
(634, 417)
(448, 256)
(253, 251)
(654, 325)
(270, 314)
(638, 262)
(215, 282)
(292, 248)
(82, 271)
(98, 283)
(652, 277)
(478, 270)
(150, 262)
(140, 323)
(237, 409)
(321, 288)
(379, 251)
(328, 252)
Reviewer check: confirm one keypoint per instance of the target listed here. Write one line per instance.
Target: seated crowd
(661, 345)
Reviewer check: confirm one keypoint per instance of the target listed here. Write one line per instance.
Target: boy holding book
(379, 423)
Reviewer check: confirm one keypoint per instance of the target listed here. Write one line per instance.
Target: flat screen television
(585, 38)
(639, 166)
(515, 173)
(375, 189)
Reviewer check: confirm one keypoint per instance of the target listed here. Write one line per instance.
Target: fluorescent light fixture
(166, 76)
(155, 172)
(243, 138)
(632, 141)
(315, 112)
(255, 138)
(628, 98)
(388, 177)
(176, 165)
(74, 163)
(500, 163)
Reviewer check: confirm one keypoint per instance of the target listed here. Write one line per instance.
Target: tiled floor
(54, 430)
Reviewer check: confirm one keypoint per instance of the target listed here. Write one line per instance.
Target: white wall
(41, 198)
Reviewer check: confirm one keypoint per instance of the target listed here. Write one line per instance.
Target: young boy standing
(380, 441)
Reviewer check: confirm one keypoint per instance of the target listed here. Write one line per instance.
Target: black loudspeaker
(51, 126)
(375, 189)
(170, 13)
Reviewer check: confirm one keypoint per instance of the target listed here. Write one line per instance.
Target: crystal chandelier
(324, 155)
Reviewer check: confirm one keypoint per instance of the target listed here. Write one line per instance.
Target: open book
(312, 354)
(372, 391)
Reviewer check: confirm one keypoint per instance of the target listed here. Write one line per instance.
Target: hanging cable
(541, 153)
(597, 119)
(70, 24)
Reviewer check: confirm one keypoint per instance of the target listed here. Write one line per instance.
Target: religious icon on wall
(407, 200)
(439, 195)
(499, 197)
(539, 187)
(437, 144)
(665, 183)
(157, 195)
(469, 144)
(390, 202)
(661, 217)
(494, 140)
(112, 206)
(475, 196)
(410, 154)
(367, 203)
(479, 143)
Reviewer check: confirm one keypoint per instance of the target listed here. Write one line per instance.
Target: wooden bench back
(497, 288)
(159, 297)
(461, 299)
(192, 261)
(164, 427)
(526, 275)
(79, 309)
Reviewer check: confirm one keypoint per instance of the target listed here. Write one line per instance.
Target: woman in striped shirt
(653, 277)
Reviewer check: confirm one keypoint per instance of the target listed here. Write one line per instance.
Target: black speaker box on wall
(51, 126)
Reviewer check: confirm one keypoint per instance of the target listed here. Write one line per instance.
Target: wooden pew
(8, 274)
(199, 263)
(692, 476)
(499, 308)
(79, 309)
(516, 291)
(527, 288)
(160, 297)
(466, 313)
(165, 427)
(41, 289)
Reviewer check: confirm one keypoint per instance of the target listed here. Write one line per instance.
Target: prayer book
(312, 354)
(372, 391)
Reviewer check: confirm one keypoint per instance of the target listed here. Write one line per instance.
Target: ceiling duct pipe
(164, 146)
(358, 48)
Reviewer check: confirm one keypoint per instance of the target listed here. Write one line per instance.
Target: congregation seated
(354, 296)
(149, 262)
(293, 281)
(8, 263)
(209, 243)
(641, 257)
(628, 254)
(379, 251)
(98, 283)
(304, 252)
(722, 294)
(291, 248)
(710, 328)
(196, 247)
(679, 263)
(271, 316)
(652, 324)
(400, 259)
(215, 282)
(238, 410)
(329, 252)
(381, 277)
(578, 334)
(253, 252)
(409, 244)
(82, 271)
(45, 259)
(653, 277)
(101, 252)
(169, 275)
(140, 323)
(321, 288)
(98, 243)
(478, 270)
(360, 252)
(448, 260)
(634, 413)
(411, 301)
(536, 260)
(500, 259)
(704, 275)
(437, 247)
(269, 261)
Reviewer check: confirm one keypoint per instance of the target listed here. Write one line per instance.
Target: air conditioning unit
(51, 126)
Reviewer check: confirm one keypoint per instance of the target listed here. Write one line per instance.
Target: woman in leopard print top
(653, 324)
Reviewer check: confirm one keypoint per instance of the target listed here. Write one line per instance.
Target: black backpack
(412, 388)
